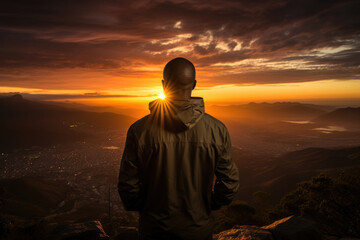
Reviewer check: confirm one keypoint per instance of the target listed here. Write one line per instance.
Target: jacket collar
(187, 111)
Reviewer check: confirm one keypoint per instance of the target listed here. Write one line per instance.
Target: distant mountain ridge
(271, 111)
(25, 123)
(349, 117)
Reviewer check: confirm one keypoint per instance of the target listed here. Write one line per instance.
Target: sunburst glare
(162, 96)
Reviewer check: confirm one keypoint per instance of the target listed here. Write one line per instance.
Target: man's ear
(194, 85)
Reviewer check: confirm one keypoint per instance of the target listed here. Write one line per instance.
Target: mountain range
(349, 117)
(25, 123)
(270, 111)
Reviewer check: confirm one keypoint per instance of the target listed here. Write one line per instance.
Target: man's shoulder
(140, 123)
(212, 121)
(216, 131)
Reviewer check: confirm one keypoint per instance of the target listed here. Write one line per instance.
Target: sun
(162, 96)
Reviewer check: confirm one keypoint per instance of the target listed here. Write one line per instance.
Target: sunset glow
(96, 60)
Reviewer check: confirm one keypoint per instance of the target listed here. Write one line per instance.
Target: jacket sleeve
(129, 184)
(227, 177)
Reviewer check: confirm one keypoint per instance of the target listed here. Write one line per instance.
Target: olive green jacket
(168, 166)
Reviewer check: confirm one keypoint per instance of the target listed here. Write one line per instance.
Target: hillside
(27, 123)
(280, 175)
(31, 197)
(128, 111)
(348, 117)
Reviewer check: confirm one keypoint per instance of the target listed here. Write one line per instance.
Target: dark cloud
(343, 59)
(284, 76)
(116, 36)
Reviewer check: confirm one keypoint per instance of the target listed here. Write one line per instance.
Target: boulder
(244, 232)
(294, 228)
(92, 230)
(127, 233)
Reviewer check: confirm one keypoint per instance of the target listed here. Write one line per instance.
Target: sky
(113, 52)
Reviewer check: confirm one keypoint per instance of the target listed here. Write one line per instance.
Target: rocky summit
(290, 228)
(92, 230)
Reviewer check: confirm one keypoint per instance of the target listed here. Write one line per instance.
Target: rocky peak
(290, 228)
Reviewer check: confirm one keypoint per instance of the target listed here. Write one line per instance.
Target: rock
(349, 238)
(6, 227)
(127, 233)
(294, 228)
(244, 233)
(329, 237)
(79, 231)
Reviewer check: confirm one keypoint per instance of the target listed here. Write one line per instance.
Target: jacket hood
(186, 111)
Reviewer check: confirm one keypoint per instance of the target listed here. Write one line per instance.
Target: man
(170, 159)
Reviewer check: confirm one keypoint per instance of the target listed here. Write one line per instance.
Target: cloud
(274, 41)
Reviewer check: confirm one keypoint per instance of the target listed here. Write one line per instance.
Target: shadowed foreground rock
(244, 233)
(127, 233)
(79, 231)
(294, 228)
(290, 228)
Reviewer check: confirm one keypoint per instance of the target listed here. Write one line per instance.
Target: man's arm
(227, 177)
(129, 182)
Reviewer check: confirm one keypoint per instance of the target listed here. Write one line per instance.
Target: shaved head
(179, 71)
(179, 77)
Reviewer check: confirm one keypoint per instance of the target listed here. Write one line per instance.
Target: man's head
(179, 78)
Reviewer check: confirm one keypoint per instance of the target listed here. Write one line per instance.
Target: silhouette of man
(170, 159)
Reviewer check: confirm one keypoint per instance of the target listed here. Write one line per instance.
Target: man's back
(168, 168)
